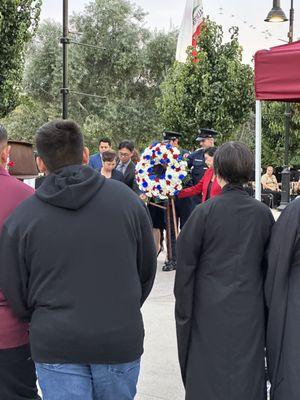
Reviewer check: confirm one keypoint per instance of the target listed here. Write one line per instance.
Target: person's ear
(4, 155)
(7, 152)
(41, 165)
(85, 156)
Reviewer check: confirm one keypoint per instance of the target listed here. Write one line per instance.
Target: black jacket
(117, 175)
(78, 260)
(219, 298)
(283, 300)
(129, 178)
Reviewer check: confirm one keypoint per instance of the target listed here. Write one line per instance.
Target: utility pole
(65, 42)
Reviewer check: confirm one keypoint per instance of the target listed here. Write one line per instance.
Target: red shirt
(13, 333)
(202, 187)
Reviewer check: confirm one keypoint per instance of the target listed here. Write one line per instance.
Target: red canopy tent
(277, 78)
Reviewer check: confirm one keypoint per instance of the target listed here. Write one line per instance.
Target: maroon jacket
(12, 192)
(202, 187)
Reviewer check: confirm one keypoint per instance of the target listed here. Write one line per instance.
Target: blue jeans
(88, 381)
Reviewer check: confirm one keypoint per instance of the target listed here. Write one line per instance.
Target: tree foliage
(117, 59)
(273, 134)
(215, 92)
(18, 20)
(138, 87)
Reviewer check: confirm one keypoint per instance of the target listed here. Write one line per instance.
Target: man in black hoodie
(78, 260)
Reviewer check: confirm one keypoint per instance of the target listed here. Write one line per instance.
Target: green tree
(273, 134)
(18, 20)
(43, 68)
(118, 60)
(25, 119)
(215, 92)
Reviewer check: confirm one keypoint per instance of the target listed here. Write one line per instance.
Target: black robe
(283, 301)
(220, 310)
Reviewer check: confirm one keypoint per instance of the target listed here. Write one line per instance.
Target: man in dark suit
(126, 165)
(96, 161)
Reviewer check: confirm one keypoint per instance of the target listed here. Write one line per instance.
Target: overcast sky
(248, 15)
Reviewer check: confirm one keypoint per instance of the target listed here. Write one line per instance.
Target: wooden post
(174, 218)
(168, 218)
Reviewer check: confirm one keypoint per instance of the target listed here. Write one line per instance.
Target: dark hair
(234, 162)
(105, 140)
(3, 135)
(109, 156)
(126, 144)
(135, 157)
(59, 144)
(210, 151)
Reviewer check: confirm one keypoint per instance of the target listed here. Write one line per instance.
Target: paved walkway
(160, 375)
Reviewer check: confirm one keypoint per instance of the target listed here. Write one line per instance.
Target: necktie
(123, 168)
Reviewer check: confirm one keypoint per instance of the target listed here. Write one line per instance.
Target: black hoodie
(78, 260)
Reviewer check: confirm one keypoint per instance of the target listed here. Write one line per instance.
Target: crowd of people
(78, 260)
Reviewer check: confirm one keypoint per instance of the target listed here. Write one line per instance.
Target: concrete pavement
(160, 375)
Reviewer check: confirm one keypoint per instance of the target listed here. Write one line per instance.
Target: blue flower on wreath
(168, 146)
(163, 177)
(152, 177)
(170, 176)
(181, 177)
(173, 167)
(159, 187)
(180, 158)
(141, 171)
(152, 162)
(150, 170)
(147, 157)
(145, 185)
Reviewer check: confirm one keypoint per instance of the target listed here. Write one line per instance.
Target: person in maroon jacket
(17, 371)
(208, 186)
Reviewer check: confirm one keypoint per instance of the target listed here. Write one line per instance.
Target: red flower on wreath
(11, 164)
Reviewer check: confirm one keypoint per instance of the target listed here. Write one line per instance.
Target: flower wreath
(160, 171)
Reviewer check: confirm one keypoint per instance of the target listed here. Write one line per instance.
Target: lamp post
(278, 15)
(65, 42)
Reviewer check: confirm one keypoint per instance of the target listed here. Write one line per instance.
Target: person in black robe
(220, 309)
(283, 301)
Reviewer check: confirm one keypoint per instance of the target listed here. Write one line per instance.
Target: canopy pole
(258, 151)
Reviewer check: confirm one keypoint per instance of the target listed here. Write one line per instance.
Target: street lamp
(278, 15)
